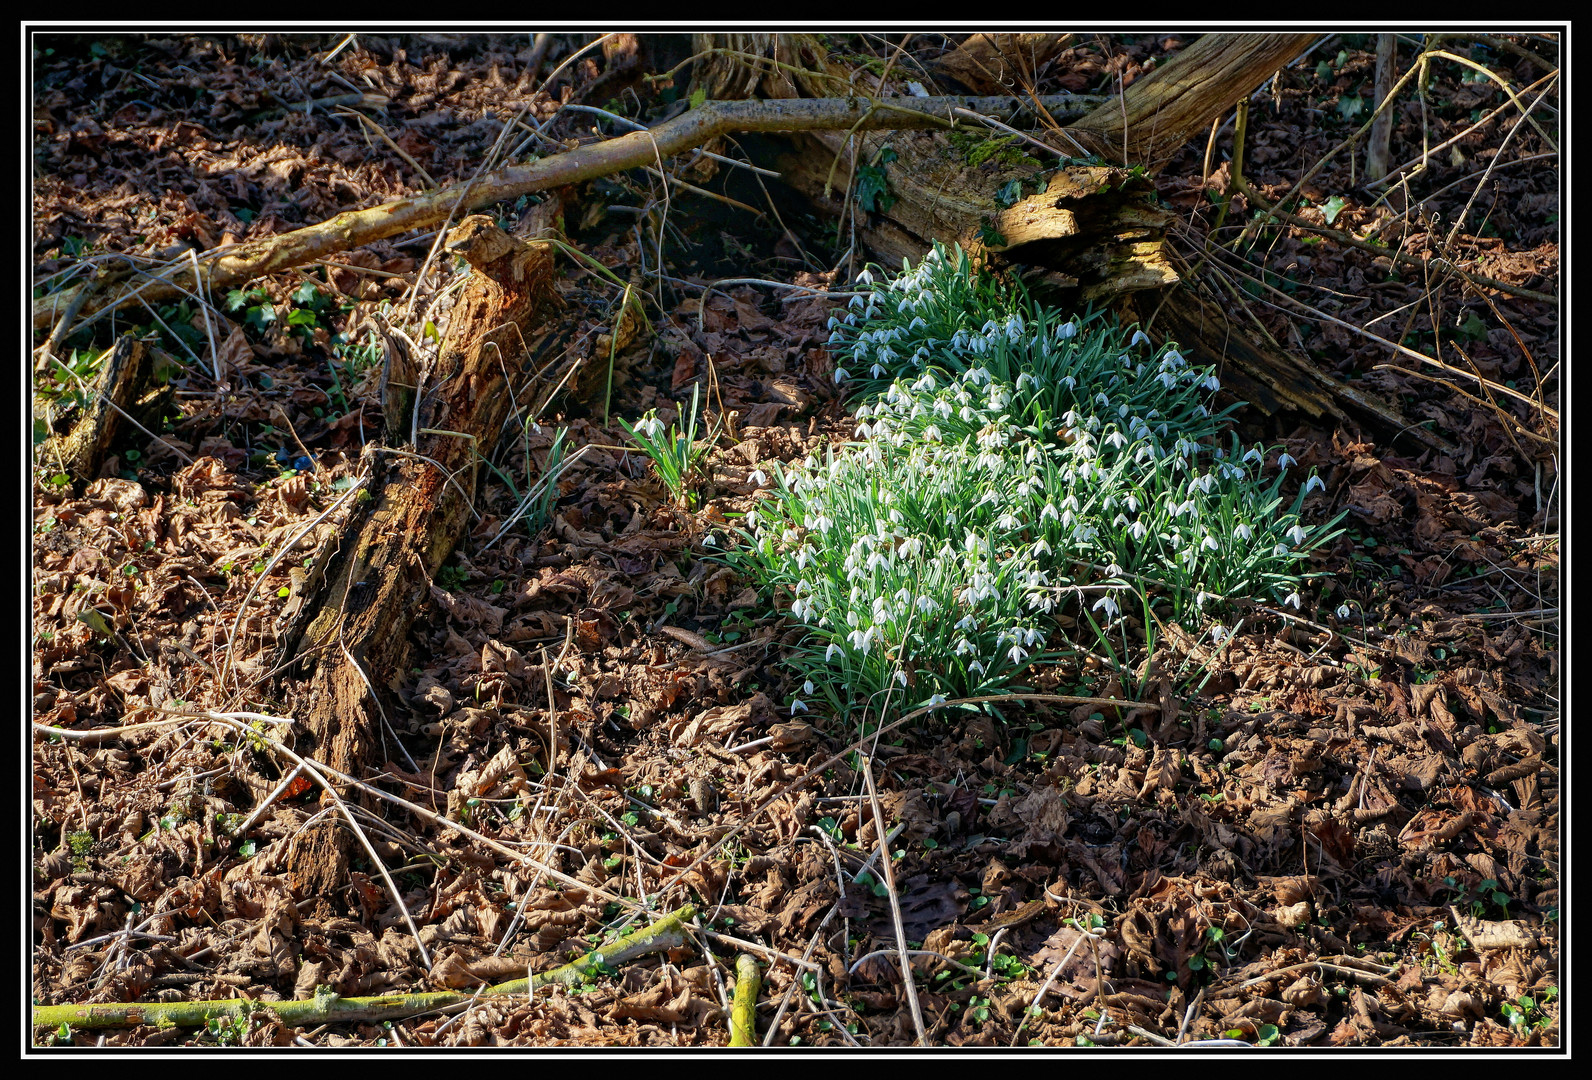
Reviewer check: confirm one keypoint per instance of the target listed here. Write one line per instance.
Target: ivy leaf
(1009, 194)
(1333, 207)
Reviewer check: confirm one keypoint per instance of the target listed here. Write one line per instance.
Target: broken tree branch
(353, 228)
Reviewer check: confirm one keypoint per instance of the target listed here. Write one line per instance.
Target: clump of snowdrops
(1012, 466)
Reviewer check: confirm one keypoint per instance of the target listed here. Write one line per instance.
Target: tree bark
(1177, 102)
(392, 547)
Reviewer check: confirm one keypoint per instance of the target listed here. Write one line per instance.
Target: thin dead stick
(895, 906)
(1397, 174)
(232, 638)
(1422, 357)
(1033, 1007)
(1393, 253)
(353, 823)
(400, 151)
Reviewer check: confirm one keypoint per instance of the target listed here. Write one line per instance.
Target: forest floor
(1347, 835)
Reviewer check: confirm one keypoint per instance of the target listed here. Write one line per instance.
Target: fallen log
(353, 228)
(355, 629)
(1094, 234)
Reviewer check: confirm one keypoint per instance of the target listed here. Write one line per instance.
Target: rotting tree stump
(355, 631)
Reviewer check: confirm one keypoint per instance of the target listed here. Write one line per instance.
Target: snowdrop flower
(1068, 381)
(1293, 599)
(1113, 570)
(1252, 456)
(878, 371)
(937, 699)
(1173, 357)
(1140, 338)
(861, 640)
(1138, 530)
(1200, 598)
(1017, 655)
(829, 653)
(798, 706)
(1297, 534)
(976, 666)
(1243, 532)
(1210, 544)
(1218, 633)
(841, 374)
(1343, 611)
(1315, 483)
(865, 278)
(927, 605)
(964, 646)
(1110, 606)
(967, 622)
(1213, 384)
(1067, 330)
(1285, 461)
(1280, 549)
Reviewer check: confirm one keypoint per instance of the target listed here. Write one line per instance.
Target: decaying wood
(1094, 230)
(398, 539)
(353, 228)
(1163, 110)
(122, 389)
(999, 63)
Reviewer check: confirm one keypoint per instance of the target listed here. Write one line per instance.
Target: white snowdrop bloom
(1218, 633)
(1113, 570)
(937, 699)
(1172, 357)
(968, 414)
(1200, 598)
(1297, 534)
(1103, 401)
(1243, 532)
(1107, 604)
(833, 324)
(878, 371)
(1205, 483)
(1119, 521)
(798, 706)
(1209, 543)
(1085, 534)
(1042, 548)
(825, 523)
(1167, 379)
(1066, 518)
(863, 431)
(841, 374)
(960, 339)
(1017, 655)
(856, 301)
(1285, 461)
(1252, 456)
(927, 605)
(865, 278)
(1200, 410)
(1068, 381)
(833, 651)
(1343, 611)
(861, 640)
(990, 327)
(964, 646)
(1138, 530)
(1280, 549)
(1067, 330)
(1315, 483)
(901, 677)
(1007, 520)
(804, 556)
(1140, 338)
(887, 355)
(943, 409)
(1115, 439)
(967, 622)
(1213, 384)
(1132, 502)
(804, 609)
(976, 666)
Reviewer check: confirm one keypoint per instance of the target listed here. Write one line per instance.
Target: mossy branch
(353, 228)
(327, 1007)
(743, 1011)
